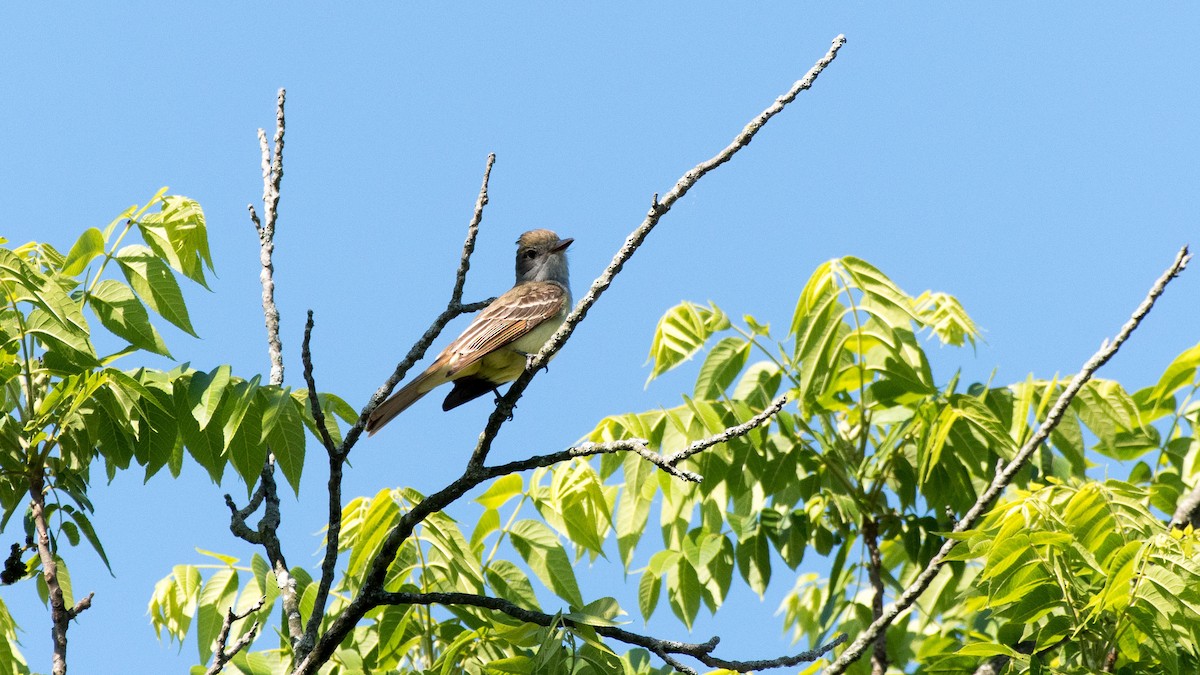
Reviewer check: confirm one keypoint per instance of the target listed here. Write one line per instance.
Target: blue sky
(1037, 162)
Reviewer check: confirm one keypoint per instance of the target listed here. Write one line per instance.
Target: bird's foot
(497, 401)
(529, 362)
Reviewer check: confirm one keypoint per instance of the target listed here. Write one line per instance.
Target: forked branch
(658, 209)
(476, 471)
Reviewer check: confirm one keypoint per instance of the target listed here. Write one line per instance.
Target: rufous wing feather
(408, 395)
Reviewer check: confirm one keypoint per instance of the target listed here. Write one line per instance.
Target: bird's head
(542, 256)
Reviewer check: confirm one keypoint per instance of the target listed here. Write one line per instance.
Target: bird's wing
(510, 317)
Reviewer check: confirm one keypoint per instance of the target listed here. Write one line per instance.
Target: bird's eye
(530, 254)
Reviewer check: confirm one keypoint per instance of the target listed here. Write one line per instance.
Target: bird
(496, 346)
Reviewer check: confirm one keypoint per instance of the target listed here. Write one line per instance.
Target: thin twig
(454, 309)
(337, 454)
(918, 586)
(638, 446)
(464, 263)
(224, 654)
(732, 432)
(701, 651)
(658, 208)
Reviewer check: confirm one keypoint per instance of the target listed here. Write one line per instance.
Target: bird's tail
(399, 401)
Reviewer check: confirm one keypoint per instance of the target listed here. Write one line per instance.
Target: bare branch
(272, 170)
(658, 209)
(266, 493)
(313, 399)
(337, 455)
(732, 432)
(223, 654)
(334, 487)
(453, 310)
(266, 536)
(1004, 477)
(639, 446)
(464, 263)
(702, 651)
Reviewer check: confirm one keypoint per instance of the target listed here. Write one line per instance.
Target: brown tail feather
(399, 401)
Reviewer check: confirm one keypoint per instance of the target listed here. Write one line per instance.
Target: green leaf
(284, 426)
(153, 282)
(721, 367)
(204, 445)
(987, 649)
(502, 490)
(681, 332)
(511, 583)
(1180, 373)
(178, 235)
(601, 612)
(89, 533)
(489, 522)
(633, 508)
(66, 344)
(205, 393)
(683, 592)
(89, 245)
(517, 665)
(247, 450)
(945, 316)
(648, 591)
(544, 554)
(381, 515)
(754, 562)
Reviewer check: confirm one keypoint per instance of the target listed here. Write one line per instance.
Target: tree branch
(266, 534)
(464, 263)
(702, 651)
(453, 310)
(337, 455)
(60, 614)
(639, 446)
(732, 432)
(473, 476)
(1004, 477)
(658, 209)
(272, 173)
(334, 487)
(224, 654)
(870, 532)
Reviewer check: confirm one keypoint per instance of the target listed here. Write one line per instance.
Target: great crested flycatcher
(494, 348)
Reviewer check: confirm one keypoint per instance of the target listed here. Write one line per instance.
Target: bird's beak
(562, 245)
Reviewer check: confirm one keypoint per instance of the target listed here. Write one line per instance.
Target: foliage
(1075, 567)
(1065, 564)
(1067, 574)
(67, 406)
